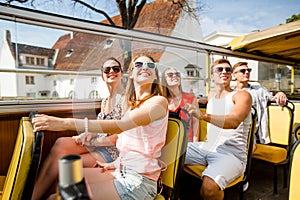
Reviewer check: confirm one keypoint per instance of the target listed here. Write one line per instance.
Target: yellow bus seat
(281, 133)
(2, 180)
(294, 172)
(271, 154)
(18, 176)
(202, 127)
(173, 155)
(196, 170)
(297, 132)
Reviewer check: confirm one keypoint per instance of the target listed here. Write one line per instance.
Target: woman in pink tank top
(142, 132)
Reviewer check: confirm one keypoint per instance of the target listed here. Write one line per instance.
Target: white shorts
(222, 167)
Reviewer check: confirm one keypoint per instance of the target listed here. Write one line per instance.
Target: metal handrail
(44, 19)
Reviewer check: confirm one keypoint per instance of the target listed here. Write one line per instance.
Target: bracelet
(86, 125)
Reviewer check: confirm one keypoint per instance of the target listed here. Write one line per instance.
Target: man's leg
(210, 189)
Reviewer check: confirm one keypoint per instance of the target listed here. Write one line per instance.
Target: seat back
(297, 132)
(202, 127)
(35, 161)
(281, 123)
(21, 163)
(294, 172)
(173, 155)
(250, 143)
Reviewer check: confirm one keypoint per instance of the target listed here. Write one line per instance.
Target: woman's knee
(63, 145)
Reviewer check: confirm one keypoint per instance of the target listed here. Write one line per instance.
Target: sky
(237, 16)
(245, 16)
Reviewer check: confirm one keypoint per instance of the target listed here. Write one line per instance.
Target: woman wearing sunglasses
(99, 148)
(177, 99)
(260, 97)
(141, 136)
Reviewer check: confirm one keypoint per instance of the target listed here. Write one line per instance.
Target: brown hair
(130, 90)
(164, 83)
(239, 64)
(113, 59)
(217, 62)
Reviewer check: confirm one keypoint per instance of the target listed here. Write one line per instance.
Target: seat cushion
(159, 197)
(194, 170)
(2, 180)
(236, 181)
(270, 153)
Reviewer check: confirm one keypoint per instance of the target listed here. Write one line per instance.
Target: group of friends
(120, 150)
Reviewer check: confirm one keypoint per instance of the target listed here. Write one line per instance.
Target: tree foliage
(129, 10)
(293, 18)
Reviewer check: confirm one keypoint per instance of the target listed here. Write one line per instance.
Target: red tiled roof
(88, 49)
(33, 50)
(62, 41)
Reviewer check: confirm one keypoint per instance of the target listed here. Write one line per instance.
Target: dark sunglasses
(243, 71)
(150, 65)
(116, 69)
(220, 69)
(171, 74)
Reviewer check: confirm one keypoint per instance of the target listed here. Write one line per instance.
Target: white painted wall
(82, 86)
(8, 81)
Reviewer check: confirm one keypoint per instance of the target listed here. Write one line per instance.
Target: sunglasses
(221, 69)
(243, 71)
(172, 74)
(150, 65)
(116, 69)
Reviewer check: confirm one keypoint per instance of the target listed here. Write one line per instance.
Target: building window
(29, 60)
(40, 61)
(55, 83)
(72, 94)
(55, 94)
(71, 81)
(108, 43)
(190, 73)
(44, 93)
(93, 80)
(192, 70)
(94, 94)
(30, 94)
(29, 80)
(69, 53)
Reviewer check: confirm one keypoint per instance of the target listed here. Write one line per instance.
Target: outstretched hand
(84, 139)
(280, 98)
(44, 122)
(193, 110)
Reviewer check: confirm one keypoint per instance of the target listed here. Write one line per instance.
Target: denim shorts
(133, 186)
(108, 153)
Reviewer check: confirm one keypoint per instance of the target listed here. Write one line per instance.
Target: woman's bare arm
(151, 110)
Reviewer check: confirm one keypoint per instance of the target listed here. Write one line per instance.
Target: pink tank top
(140, 148)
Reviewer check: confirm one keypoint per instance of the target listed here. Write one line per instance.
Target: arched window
(72, 94)
(55, 94)
(94, 94)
